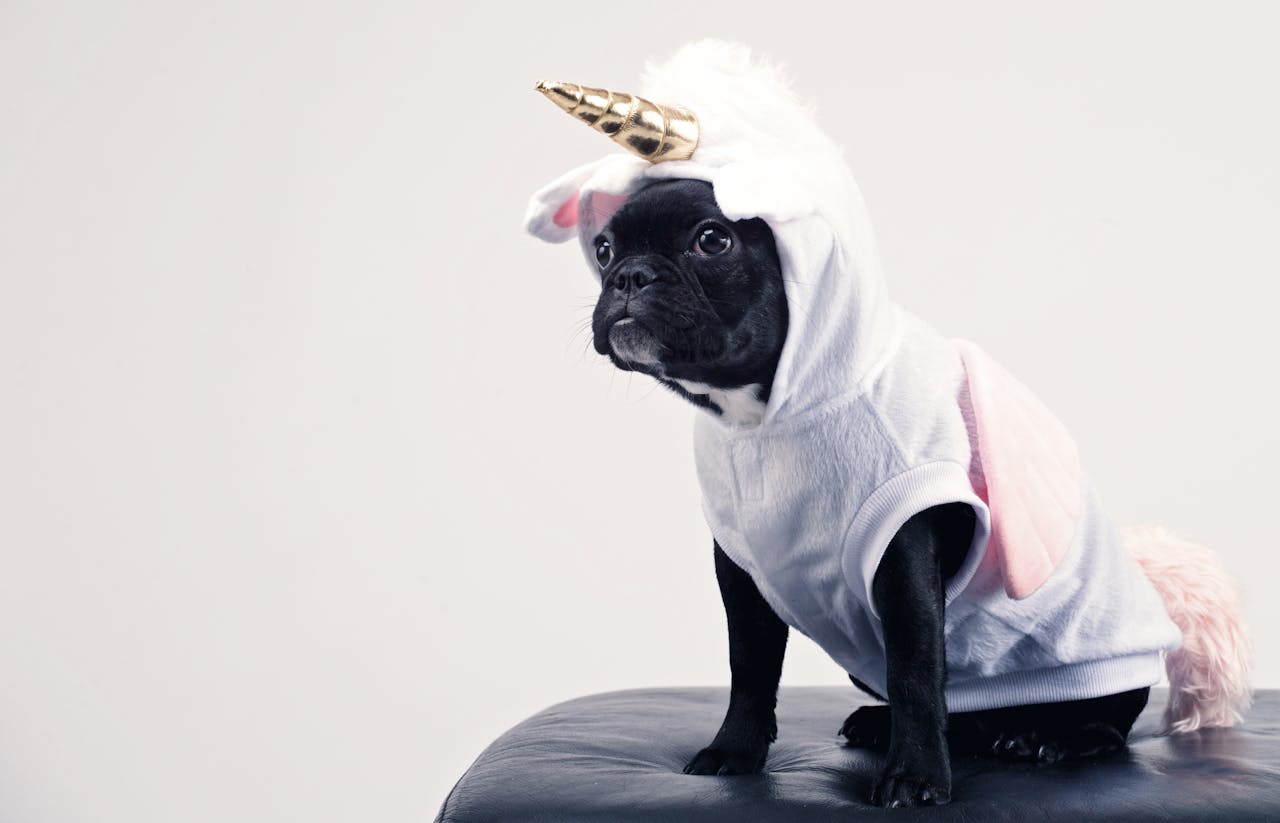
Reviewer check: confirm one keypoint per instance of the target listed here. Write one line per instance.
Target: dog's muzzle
(634, 343)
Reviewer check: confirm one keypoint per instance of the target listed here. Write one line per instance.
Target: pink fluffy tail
(1209, 672)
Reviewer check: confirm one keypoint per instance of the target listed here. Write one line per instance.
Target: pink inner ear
(604, 206)
(1026, 467)
(566, 217)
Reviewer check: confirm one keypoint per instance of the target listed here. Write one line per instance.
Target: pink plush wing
(1026, 467)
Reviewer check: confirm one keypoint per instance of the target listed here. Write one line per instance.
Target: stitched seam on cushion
(444, 808)
(443, 817)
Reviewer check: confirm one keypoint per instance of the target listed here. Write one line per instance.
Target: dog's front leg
(757, 644)
(908, 594)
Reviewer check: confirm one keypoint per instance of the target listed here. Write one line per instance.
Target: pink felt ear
(566, 217)
(1027, 469)
(579, 202)
(597, 210)
(552, 214)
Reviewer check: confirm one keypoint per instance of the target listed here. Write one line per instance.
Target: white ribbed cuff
(897, 501)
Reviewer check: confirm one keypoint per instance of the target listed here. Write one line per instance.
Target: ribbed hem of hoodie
(1075, 681)
(897, 501)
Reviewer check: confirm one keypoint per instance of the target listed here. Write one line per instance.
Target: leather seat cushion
(618, 757)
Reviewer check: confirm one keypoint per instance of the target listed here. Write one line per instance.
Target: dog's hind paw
(1026, 745)
(1089, 740)
(867, 728)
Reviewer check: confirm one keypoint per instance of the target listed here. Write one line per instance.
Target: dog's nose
(629, 277)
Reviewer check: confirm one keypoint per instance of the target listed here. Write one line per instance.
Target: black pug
(697, 301)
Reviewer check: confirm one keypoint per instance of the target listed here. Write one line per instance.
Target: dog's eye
(713, 240)
(604, 253)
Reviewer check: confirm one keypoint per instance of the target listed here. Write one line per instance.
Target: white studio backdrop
(310, 484)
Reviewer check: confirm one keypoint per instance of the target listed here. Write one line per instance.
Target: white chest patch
(739, 407)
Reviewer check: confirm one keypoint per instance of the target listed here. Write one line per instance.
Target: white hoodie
(874, 417)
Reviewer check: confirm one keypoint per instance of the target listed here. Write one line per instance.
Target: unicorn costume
(873, 416)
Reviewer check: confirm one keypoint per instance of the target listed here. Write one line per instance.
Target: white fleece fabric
(865, 424)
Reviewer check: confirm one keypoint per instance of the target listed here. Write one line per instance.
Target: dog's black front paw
(728, 760)
(867, 728)
(904, 783)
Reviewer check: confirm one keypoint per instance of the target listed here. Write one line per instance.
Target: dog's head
(691, 298)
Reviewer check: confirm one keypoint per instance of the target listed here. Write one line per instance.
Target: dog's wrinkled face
(690, 297)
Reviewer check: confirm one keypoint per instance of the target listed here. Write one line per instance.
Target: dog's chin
(634, 346)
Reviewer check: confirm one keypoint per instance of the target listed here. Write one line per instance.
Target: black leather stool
(618, 757)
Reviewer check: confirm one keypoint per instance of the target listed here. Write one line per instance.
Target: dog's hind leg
(867, 728)
(1044, 733)
(1049, 732)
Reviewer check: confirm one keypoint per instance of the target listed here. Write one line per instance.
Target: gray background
(309, 482)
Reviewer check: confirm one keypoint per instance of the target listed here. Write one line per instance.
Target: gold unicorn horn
(652, 131)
